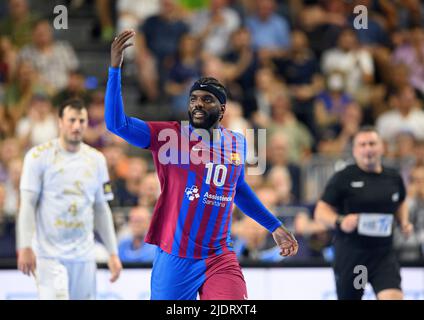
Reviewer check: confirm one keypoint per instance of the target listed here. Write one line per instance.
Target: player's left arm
(249, 203)
(103, 220)
(402, 216)
(103, 224)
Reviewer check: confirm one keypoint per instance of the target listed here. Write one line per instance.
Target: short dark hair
(365, 129)
(74, 103)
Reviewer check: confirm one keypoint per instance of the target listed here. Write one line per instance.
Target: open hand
(118, 47)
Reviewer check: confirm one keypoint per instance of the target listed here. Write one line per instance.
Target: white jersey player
(64, 192)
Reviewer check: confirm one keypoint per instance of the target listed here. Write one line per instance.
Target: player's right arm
(30, 187)
(133, 130)
(326, 212)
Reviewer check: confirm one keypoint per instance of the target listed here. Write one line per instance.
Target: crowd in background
(295, 67)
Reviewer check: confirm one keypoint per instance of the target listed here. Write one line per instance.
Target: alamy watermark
(60, 21)
(198, 146)
(361, 20)
(361, 279)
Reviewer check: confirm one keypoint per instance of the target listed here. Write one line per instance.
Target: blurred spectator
(283, 120)
(406, 115)
(8, 60)
(21, 89)
(96, 134)
(132, 13)
(149, 191)
(117, 162)
(52, 59)
(185, 70)
(267, 87)
(412, 248)
(214, 26)
(74, 89)
(331, 103)
(7, 125)
(133, 248)
(355, 63)
(336, 141)
(270, 32)
(411, 54)
(322, 21)
(40, 124)
(252, 242)
(7, 230)
(9, 149)
(19, 24)
(127, 189)
(278, 157)
(11, 185)
(157, 46)
(241, 63)
(300, 70)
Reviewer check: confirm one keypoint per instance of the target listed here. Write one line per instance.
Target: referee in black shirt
(362, 202)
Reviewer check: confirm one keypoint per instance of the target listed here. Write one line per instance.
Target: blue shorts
(215, 278)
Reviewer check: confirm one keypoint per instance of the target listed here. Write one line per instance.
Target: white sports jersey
(68, 185)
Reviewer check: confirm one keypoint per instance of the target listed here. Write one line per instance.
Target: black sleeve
(333, 192)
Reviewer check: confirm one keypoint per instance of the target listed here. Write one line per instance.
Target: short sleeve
(333, 192)
(32, 171)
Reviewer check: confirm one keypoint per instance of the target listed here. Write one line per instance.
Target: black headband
(212, 89)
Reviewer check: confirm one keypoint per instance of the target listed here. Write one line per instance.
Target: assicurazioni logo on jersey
(192, 194)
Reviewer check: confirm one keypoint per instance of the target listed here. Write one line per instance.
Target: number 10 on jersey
(217, 173)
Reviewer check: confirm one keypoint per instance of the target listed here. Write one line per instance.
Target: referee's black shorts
(382, 267)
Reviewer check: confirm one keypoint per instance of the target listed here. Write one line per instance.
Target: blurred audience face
(268, 196)
(25, 72)
(241, 38)
(417, 180)
(188, 46)
(96, 107)
(368, 150)
(137, 168)
(18, 9)
(150, 189)
(347, 40)
(264, 79)
(72, 125)
(280, 180)
(405, 145)
(265, 8)
(299, 41)
(139, 221)
(42, 34)
(14, 171)
(215, 5)
(406, 100)
(9, 149)
(278, 149)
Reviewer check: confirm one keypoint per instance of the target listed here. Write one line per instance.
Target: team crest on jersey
(192, 193)
(235, 159)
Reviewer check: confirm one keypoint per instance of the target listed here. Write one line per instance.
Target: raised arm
(133, 130)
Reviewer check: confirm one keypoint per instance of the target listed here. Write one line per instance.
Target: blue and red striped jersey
(192, 217)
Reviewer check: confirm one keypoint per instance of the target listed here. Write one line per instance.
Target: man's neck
(69, 147)
(377, 168)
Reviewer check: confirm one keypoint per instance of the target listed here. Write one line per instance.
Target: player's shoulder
(92, 152)
(42, 150)
(391, 172)
(346, 172)
(159, 125)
